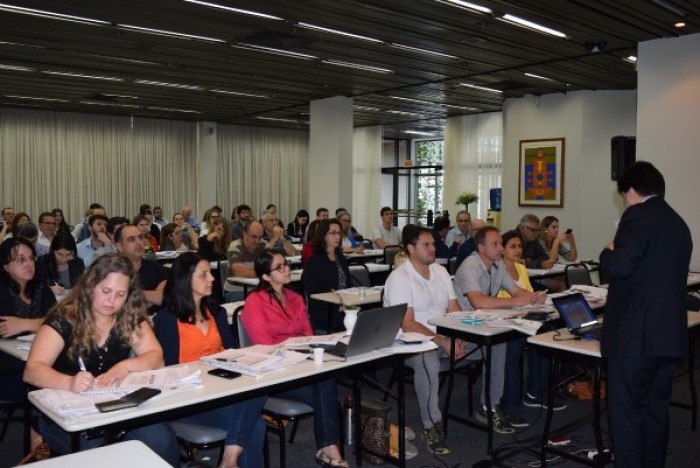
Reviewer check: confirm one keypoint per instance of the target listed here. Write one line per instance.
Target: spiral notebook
(159, 378)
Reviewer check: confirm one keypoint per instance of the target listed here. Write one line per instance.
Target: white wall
(587, 120)
(668, 122)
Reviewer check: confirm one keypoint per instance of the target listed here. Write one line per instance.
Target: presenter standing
(645, 328)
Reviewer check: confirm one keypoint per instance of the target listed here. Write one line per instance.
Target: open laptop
(578, 316)
(374, 329)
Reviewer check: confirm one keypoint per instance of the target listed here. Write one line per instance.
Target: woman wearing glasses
(273, 313)
(325, 271)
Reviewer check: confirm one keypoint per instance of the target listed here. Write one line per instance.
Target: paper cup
(318, 356)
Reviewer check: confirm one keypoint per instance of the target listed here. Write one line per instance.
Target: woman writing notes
(95, 337)
(190, 326)
(274, 313)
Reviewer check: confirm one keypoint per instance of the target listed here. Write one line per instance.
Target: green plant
(467, 197)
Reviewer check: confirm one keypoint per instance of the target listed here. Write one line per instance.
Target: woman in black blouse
(325, 271)
(297, 228)
(213, 246)
(95, 337)
(61, 267)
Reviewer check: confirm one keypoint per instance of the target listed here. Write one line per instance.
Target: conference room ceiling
(408, 64)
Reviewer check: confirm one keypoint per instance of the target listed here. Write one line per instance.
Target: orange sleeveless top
(194, 344)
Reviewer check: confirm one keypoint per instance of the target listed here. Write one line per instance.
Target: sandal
(324, 459)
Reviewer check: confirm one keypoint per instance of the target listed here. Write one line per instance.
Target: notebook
(374, 329)
(578, 316)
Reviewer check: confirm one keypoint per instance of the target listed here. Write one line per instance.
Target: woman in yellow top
(538, 369)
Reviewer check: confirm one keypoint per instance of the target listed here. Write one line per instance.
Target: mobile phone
(569, 231)
(224, 373)
(128, 401)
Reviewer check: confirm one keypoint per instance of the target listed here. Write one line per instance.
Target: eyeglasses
(22, 260)
(280, 268)
(533, 229)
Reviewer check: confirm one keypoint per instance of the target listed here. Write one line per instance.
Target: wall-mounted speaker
(623, 154)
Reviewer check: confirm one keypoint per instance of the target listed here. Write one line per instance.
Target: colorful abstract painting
(541, 172)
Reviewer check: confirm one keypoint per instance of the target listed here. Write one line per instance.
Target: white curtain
(69, 160)
(473, 159)
(259, 166)
(367, 168)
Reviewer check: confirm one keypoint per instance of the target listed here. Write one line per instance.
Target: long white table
(350, 297)
(131, 453)
(15, 347)
(216, 392)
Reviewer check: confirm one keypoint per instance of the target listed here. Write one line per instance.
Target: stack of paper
(252, 362)
(163, 378)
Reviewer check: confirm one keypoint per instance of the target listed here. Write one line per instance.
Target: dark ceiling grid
(489, 53)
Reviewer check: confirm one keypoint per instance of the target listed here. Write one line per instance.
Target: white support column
(330, 154)
(207, 169)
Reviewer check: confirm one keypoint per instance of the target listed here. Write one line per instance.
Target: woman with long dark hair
(273, 313)
(93, 338)
(326, 270)
(61, 224)
(297, 228)
(192, 325)
(61, 267)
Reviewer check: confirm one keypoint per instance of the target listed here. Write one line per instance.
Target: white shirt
(391, 237)
(428, 298)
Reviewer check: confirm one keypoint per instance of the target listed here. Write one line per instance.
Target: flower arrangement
(466, 198)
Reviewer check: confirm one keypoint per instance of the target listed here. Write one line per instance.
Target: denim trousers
(537, 375)
(323, 398)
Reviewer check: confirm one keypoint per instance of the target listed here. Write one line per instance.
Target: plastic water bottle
(349, 414)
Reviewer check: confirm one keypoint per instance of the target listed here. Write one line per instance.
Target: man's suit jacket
(645, 313)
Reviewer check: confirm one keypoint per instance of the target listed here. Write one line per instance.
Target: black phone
(569, 231)
(130, 400)
(224, 373)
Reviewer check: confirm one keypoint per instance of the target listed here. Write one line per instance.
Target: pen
(544, 292)
(81, 363)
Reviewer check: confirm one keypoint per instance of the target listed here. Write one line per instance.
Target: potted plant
(466, 198)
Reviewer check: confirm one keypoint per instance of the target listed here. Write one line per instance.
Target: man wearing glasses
(47, 231)
(241, 254)
(534, 254)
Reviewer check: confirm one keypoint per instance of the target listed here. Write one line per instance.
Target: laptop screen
(575, 311)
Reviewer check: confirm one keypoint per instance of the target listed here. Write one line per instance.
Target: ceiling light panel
(238, 93)
(163, 32)
(51, 15)
(482, 88)
(422, 51)
(338, 32)
(6, 66)
(524, 23)
(467, 6)
(274, 51)
(83, 75)
(239, 11)
(33, 98)
(358, 66)
(170, 85)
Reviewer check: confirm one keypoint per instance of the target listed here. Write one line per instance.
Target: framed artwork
(541, 175)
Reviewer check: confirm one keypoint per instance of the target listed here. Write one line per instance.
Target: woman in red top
(273, 313)
(306, 250)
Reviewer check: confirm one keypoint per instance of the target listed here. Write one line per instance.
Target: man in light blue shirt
(461, 232)
(97, 225)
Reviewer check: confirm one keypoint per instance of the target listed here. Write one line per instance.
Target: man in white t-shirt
(386, 233)
(427, 290)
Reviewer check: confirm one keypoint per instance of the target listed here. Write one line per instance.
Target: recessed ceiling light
(467, 6)
(5, 66)
(172, 109)
(680, 24)
(539, 77)
(277, 119)
(337, 32)
(274, 51)
(630, 59)
(358, 66)
(422, 51)
(33, 98)
(416, 132)
(84, 75)
(170, 85)
(522, 22)
(121, 96)
(51, 15)
(103, 103)
(238, 93)
(482, 88)
(163, 32)
(234, 10)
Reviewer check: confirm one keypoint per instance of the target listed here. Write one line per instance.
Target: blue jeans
(537, 377)
(244, 427)
(323, 398)
(158, 437)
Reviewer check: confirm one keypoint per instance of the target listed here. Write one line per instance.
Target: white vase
(350, 318)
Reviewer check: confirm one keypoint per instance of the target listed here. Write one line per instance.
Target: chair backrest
(452, 265)
(390, 252)
(359, 275)
(240, 335)
(223, 274)
(577, 273)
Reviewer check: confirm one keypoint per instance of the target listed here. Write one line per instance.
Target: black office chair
(279, 410)
(577, 273)
(196, 437)
(390, 252)
(359, 275)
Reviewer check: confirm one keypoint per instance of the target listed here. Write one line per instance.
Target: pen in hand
(81, 364)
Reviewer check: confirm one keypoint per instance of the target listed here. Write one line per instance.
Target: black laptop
(578, 316)
(374, 329)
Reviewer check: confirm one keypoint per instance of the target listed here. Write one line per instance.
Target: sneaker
(536, 402)
(515, 420)
(500, 425)
(435, 439)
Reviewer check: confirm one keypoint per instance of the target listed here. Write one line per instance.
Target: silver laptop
(374, 329)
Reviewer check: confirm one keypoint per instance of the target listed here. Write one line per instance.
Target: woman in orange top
(192, 325)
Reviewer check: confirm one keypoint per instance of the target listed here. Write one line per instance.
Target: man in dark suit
(645, 328)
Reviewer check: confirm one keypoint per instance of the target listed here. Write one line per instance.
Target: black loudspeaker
(624, 151)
